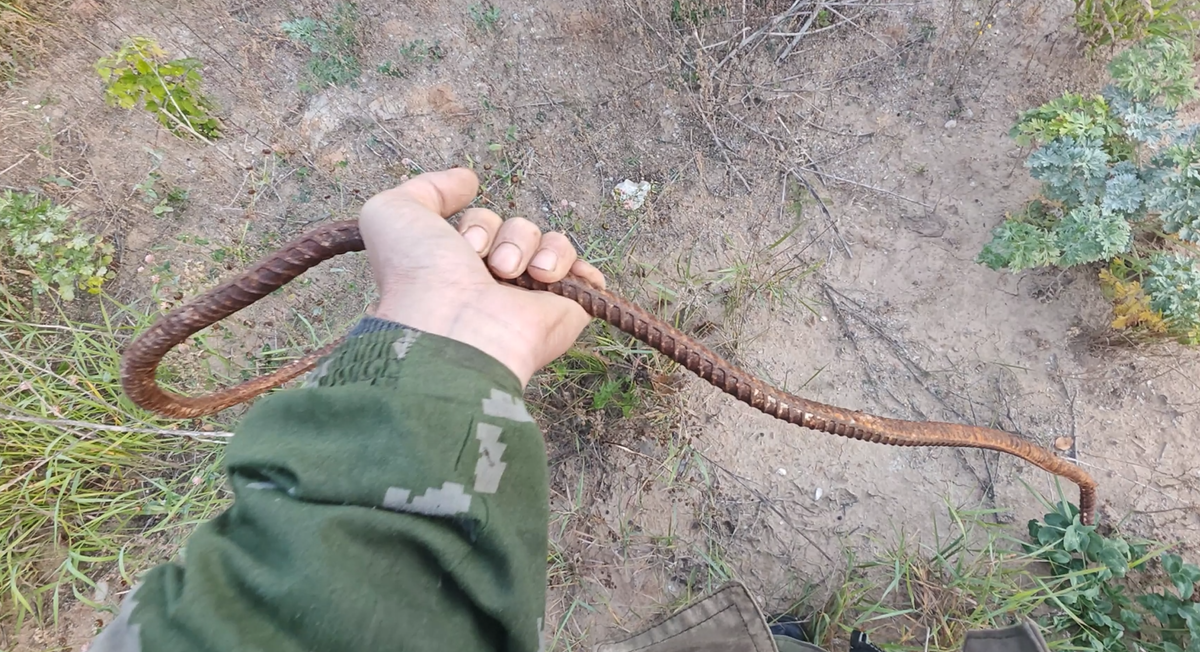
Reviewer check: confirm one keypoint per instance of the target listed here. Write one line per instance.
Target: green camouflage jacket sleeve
(396, 502)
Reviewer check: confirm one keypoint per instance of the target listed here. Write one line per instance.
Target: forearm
(398, 501)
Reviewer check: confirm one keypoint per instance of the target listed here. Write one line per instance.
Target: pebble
(950, 124)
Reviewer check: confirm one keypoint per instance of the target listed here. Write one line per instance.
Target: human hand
(433, 278)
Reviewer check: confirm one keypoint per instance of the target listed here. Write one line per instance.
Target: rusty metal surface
(141, 359)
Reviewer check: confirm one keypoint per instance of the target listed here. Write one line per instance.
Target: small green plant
(618, 392)
(162, 203)
(693, 13)
(1157, 69)
(42, 237)
(1120, 180)
(1101, 612)
(1070, 116)
(140, 73)
(419, 51)
(333, 46)
(390, 68)
(1107, 22)
(485, 16)
(412, 53)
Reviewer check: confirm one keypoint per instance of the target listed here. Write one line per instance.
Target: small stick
(812, 15)
(754, 38)
(875, 188)
(821, 203)
(721, 146)
(22, 160)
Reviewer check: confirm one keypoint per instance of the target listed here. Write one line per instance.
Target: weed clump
(1120, 180)
(42, 238)
(1086, 589)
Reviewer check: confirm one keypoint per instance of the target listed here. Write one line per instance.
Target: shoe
(789, 626)
(860, 643)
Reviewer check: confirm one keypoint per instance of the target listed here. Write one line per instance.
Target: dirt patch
(814, 218)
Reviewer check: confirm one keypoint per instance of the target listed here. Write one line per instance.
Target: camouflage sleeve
(397, 501)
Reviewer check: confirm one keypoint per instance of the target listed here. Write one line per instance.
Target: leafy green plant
(1018, 245)
(140, 73)
(334, 47)
(485, 16)
(1158, 68)
(1173, 288)
(608, 371)
(1089, 233)
(1072, 171)
(1177, 196)
(162, 202)
(41, 236)
(1073, 116)
(1107, 22)
(1099, 611)
(390, 68)
(1120, 177)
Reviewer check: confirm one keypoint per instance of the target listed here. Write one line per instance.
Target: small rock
(817, 495)
(782, 471)
(632, 195)
(950, 124)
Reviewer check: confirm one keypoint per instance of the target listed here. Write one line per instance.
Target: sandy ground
(896, 116)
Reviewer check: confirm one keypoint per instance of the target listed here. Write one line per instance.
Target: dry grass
(23, 34)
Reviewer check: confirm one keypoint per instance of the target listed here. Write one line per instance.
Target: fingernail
(476, 237)
(505, 258)
(545, 259)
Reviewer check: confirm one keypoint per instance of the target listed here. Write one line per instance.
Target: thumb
(563, 321)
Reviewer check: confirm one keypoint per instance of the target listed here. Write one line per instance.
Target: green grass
(91, 487)
(607, 371)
